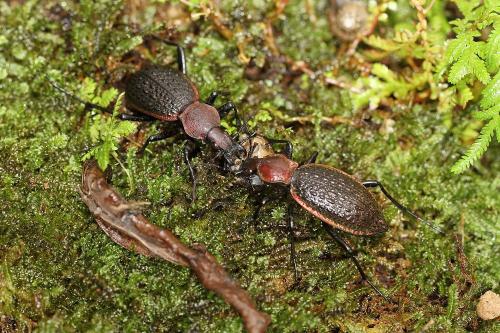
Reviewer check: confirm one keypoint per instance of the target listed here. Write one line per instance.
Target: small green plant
(417, 49)
(261, 117)
(384, 83)
(457, 73)
(105, 131)
(470, 61)
(490, 113)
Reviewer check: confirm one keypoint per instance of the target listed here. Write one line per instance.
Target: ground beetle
(167, 94)
(339, 200)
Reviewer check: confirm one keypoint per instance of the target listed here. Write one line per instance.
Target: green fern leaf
(469, 63)
(106, 131)
(459, 70)
(492, 51)
(88, 89)
(491, 93)
(124, 128)
(384, 83)
(447, 100)
(383, 72)
(106, 97)
(467, 6)
(492, 5)
(478, 147)
(464, 94)
(94, 129)
(488, 113)
(490, 105)
(118, 104)
(457, 46)
(103, 153)
(479, 69)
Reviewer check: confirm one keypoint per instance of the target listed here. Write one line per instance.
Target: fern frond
(490, 110)
(106, 97)
(383, 72)
(447, 100)
(106, 131)
(492, 50)
(488, 114)
(469, 63)
(467, 6)
(464, 95)
(491, 93)
(87, 90)
(457, 46)
(478, 147)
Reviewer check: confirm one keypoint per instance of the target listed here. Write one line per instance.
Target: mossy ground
(60, 272)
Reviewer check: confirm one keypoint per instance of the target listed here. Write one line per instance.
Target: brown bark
(125, 224)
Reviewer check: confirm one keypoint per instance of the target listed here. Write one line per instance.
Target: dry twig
(125, 224)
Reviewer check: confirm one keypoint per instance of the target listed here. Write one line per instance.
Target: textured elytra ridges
(160, 92)
(337, 199)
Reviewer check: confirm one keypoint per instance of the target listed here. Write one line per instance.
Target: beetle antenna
(67, 93)
(375, 183)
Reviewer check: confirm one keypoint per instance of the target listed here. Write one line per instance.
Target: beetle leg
(88, 105)
(228, 107)
(188, 150)
(211, 98)
(375, 183)
(135, 117)
(312, 159)
(261, 203)
(181, 58)
(288, 151)
(293, 256)
(332, 232)
(157, 137)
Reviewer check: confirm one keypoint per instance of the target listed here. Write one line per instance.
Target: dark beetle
(333, 196)
(328, 193)
(167, 94)
(163, 93)
(338, 199)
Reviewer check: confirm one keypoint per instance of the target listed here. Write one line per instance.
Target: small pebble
(488, 307)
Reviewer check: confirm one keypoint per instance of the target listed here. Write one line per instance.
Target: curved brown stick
(125, 224)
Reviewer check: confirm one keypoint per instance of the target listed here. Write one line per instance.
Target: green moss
(60, 272)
